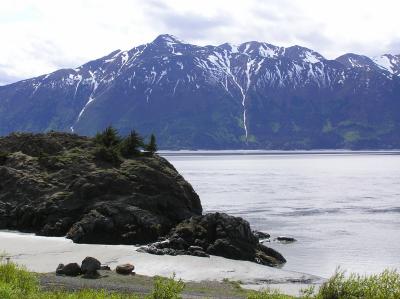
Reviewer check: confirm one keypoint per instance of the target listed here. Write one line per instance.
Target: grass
(385, 285)
(16, 282)
(268, 294)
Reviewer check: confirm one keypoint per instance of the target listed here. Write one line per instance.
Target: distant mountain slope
(254, 95)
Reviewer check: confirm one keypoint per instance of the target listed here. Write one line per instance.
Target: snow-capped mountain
(230, 96)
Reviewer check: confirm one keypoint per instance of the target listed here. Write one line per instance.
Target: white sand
(43, 254)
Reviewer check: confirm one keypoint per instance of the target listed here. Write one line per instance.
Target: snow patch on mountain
(389, 63)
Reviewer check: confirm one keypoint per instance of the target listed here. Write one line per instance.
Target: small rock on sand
(125, 269)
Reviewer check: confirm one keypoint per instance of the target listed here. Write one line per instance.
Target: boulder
(71, 269)
(59, 269)
(125, 269)
(217, 234)
(90, 267)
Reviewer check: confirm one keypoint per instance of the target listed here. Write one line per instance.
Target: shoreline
(43, 254)
(260, 152)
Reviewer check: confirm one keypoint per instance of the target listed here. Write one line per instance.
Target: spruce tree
(152, 145)
(108, 138)
(131, 144)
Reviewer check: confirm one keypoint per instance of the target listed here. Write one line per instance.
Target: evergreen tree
(108, 138)
(151, 147)
(131, 144)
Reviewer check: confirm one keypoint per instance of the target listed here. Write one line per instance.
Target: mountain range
(253, 95)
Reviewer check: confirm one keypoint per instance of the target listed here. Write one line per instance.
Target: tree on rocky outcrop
(107, 149)
(131, 145)
(151, 147)
(108, 138)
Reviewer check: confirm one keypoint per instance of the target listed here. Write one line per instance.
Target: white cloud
(40, 36)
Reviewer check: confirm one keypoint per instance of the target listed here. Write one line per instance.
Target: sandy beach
(43, 254)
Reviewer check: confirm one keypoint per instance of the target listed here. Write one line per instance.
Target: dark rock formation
(283, 239)
(216, 234)
(261, 235)
(125, 269)
(71, 269)
(51, 184)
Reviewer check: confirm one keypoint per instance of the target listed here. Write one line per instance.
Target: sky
(41, 36)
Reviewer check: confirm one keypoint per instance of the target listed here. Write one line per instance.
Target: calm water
(344, 209)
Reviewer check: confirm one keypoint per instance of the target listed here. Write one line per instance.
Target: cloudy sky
(40, 36)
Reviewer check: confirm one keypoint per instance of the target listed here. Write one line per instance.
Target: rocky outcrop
(53, 185)
(216, 234)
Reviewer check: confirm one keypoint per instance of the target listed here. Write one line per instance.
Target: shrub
(108, 155)
(167, 288)
(108, 138)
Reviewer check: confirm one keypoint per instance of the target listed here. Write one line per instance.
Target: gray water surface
(343, 208)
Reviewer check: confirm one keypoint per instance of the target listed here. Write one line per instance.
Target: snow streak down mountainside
(254, 95)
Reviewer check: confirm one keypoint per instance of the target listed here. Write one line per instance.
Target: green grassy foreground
(16, 282)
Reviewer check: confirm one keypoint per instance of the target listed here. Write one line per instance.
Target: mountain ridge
(191, 95)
